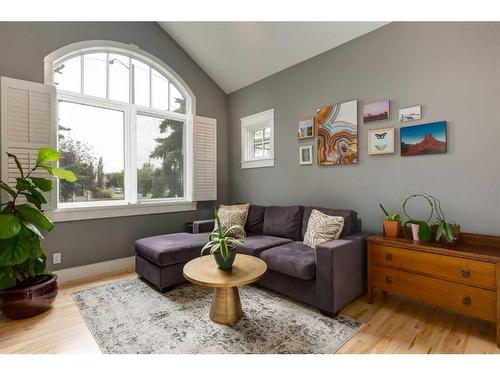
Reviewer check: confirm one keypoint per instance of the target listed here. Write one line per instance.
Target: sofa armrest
(340, 271)
(203, 226)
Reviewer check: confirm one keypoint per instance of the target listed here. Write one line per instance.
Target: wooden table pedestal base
(226, 306)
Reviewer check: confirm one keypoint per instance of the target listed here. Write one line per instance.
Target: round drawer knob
(465, 272)
(388, 256)
(388, 280)
(467, 301)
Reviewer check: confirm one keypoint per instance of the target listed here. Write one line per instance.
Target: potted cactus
(392, 223)
(26, 287)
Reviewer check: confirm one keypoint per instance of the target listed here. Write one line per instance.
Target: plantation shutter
(205, 159)
(28, 121)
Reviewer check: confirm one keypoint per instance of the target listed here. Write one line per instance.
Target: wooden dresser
(464, 278)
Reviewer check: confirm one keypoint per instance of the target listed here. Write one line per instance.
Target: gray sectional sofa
(328, 277)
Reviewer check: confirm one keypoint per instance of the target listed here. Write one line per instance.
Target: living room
(302, 187)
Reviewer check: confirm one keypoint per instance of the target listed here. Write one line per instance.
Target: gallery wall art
(306, 155)
(337, 129)
(424, 139)
(306, 128)
(410, 113)
(376, 111)
(381, 141)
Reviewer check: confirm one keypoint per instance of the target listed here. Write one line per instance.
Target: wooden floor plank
(391, 325)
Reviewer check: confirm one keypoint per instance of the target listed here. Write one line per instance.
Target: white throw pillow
(322, 228)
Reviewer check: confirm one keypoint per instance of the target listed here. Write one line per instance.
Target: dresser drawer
(477, 302)
(470, 272)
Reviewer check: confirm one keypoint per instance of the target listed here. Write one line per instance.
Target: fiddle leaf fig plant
(22, 223)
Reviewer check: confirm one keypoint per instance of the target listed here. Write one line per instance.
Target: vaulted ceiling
(237, 54)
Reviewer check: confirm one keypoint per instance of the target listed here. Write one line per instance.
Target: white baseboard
(95, 269)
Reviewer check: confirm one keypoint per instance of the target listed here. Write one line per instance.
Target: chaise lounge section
(328, 277)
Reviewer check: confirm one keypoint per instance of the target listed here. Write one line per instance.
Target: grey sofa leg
(328, 314)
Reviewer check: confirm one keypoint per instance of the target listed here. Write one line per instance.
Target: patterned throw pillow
(233, 215)
(322, 228)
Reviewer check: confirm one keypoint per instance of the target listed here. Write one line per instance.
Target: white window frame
(130, 205)
(249, 125)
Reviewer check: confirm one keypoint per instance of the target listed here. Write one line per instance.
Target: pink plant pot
(414, 232)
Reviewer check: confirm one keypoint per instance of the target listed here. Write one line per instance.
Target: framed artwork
(424, 139)
(376, 111)
(337, 127)
(306, 155)
(381, 141)
(410, 113)
(306, 128)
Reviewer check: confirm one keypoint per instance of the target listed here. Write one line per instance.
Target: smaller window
(257, 142)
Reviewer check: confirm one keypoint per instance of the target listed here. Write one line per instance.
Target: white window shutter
(28, 123)
(205, 159)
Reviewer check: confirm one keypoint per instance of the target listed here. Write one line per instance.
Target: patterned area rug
(130, 317)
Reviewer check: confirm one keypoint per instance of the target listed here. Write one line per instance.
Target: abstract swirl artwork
(338, 133)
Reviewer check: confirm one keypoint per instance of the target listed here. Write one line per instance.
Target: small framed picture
(306, 128)
(305, 155)
(410, 113)
(376, 111)
(381, 141)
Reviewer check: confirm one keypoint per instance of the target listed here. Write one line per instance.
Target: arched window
(124, 126)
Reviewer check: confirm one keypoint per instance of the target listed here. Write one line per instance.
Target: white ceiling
(237, 54)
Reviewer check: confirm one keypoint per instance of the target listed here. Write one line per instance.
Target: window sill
(147, 208)
(260, 163)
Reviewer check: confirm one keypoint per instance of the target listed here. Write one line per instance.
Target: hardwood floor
(392, 325)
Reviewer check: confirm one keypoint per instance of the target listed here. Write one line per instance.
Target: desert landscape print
(424, 139)
(376, 111)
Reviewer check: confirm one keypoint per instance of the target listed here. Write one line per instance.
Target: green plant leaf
(33, 229)
(9, 226)
(16, 160)
(424, 231)
(7, 279)
(15, 250)
(6, 187)
(46, 155)
(40, 266)
(61, 173)
(22, 184)
(449, 232)
(33, 215)
(439, 231)
(217, 219)
(43, 184)
(33, 200)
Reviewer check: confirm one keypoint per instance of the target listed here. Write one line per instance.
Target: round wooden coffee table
(226, 305)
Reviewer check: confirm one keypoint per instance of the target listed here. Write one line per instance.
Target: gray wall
(451, 69)
(24, 46)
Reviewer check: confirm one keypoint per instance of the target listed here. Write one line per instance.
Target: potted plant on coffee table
(221, 245)
(26, 287)
(392, 223)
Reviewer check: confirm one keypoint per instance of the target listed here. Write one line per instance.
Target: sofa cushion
(255, 219)
(254, 245)
(170, 249)
(283, 222)
(350, 219)
(235, 215)
(293, 259)
(322, 228)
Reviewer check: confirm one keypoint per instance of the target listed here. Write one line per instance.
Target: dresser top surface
(473, 246)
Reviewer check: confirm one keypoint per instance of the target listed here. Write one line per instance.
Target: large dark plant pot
(225, 264)
(32, 297)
